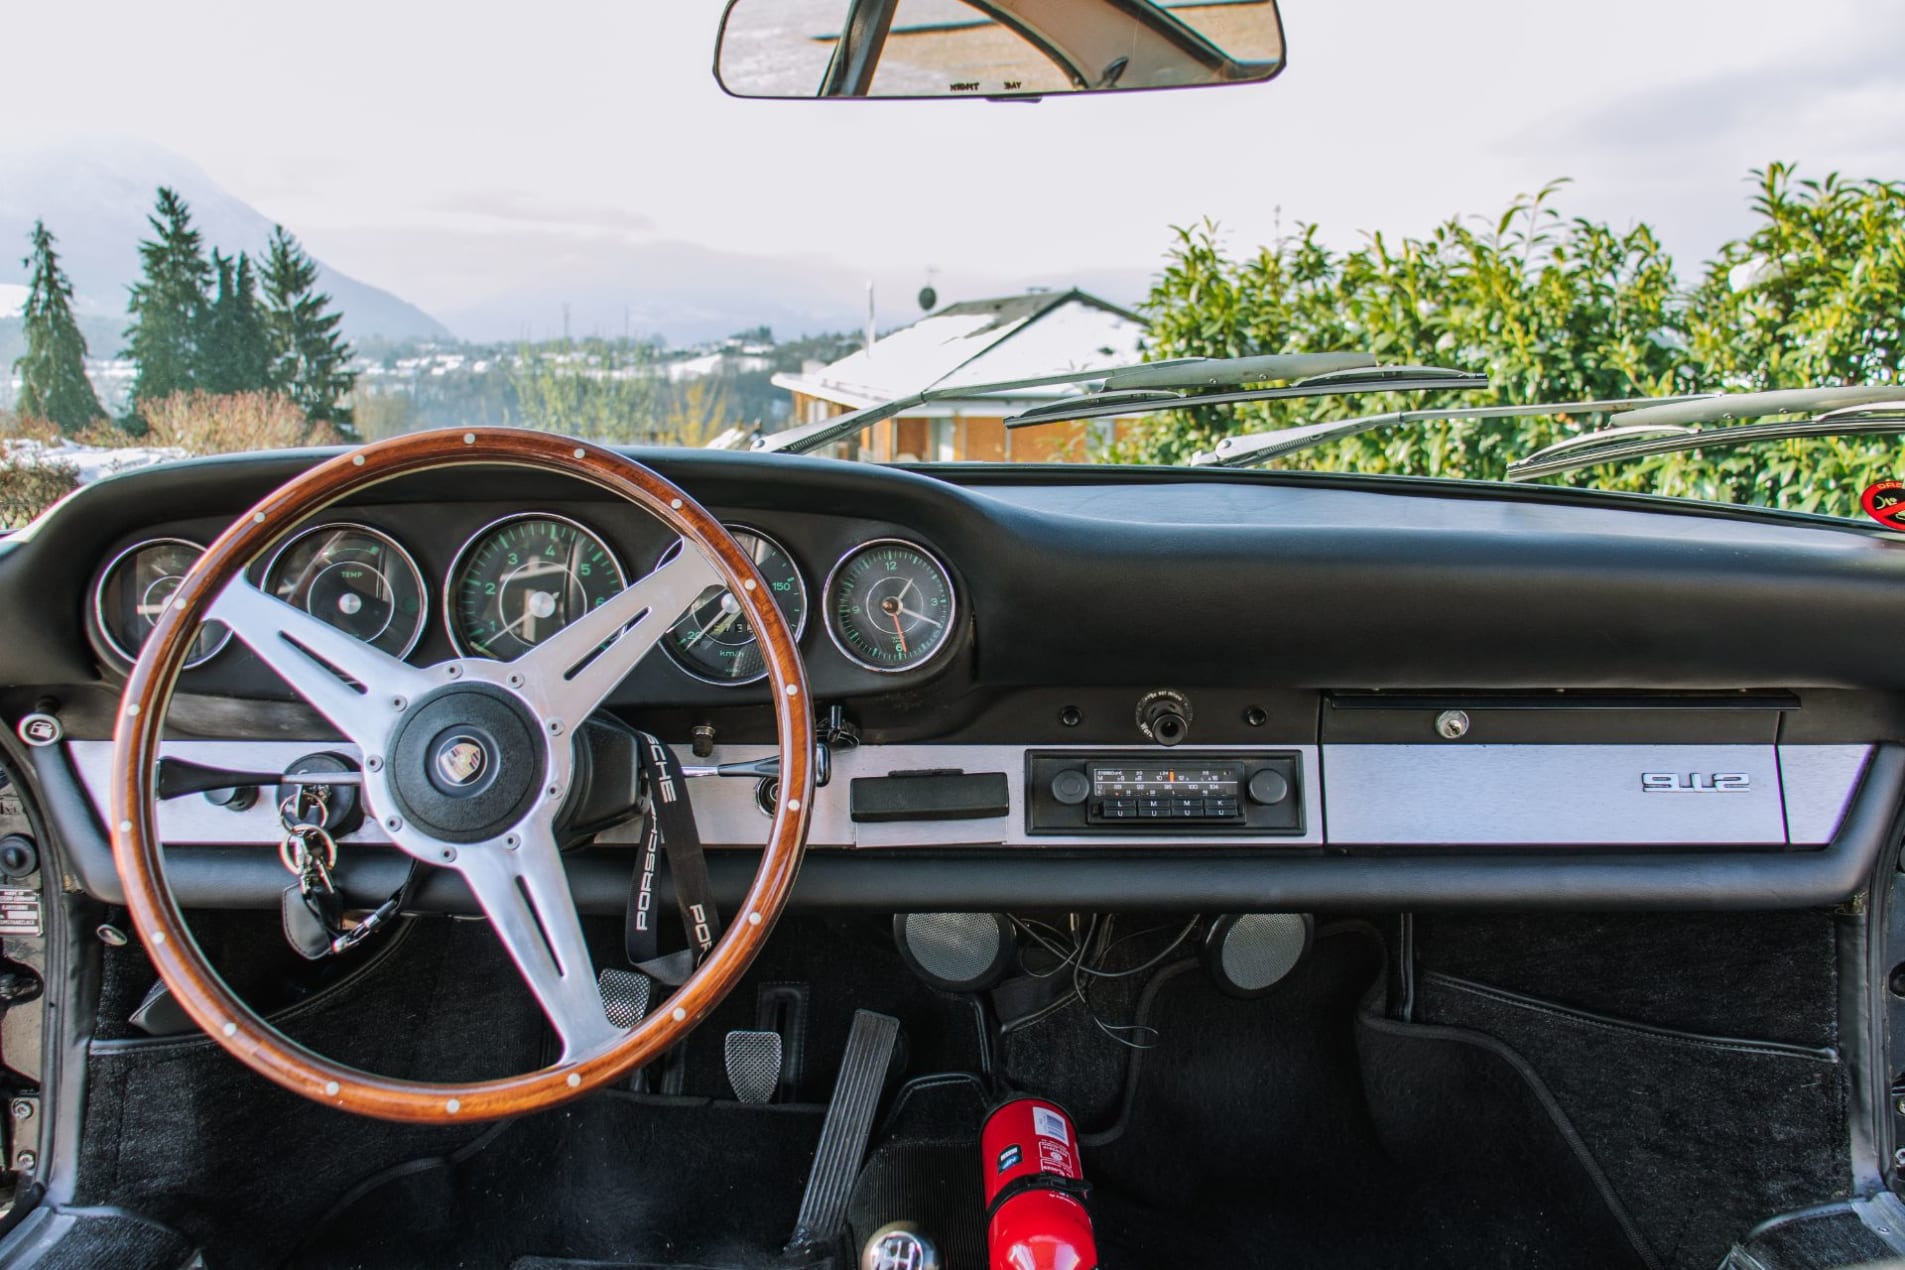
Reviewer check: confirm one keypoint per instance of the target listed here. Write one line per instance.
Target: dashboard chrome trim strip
(1819, 783)
(1800, 793)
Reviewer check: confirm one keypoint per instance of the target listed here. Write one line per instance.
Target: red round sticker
(1885, 503)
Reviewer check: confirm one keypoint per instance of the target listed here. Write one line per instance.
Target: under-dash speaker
(1248, 954)
(955, 952)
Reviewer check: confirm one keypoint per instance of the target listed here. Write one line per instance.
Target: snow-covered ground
(92, 461)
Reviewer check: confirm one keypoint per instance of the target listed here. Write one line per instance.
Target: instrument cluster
(889, 604)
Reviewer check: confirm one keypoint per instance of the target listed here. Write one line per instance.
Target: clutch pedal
(843, 1138)
(625, 995)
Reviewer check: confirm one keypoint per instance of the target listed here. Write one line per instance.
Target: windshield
(1495, 238)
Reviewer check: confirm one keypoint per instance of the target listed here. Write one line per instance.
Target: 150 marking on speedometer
(890, 605)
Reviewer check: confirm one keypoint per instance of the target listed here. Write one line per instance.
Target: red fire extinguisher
(1035, 1190)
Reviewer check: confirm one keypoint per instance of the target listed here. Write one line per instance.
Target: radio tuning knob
(1267, 786)
(1071, 787)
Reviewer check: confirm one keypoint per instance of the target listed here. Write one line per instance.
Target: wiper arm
(1173, 373)
(1331, 384)
(1871, 417)
(1252, 448)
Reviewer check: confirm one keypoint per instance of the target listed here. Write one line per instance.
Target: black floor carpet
(1299, 1130)
(1251, 1140)
(617, 1179)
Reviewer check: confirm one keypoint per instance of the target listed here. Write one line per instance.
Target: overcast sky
(440, 149)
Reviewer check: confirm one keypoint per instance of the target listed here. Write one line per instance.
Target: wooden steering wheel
(501, 838)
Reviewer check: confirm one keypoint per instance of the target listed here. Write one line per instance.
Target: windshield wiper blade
(1719, 407)
(1871, 417)
(1252, 448)
(1226, 372)
(1332, 384)
(1171, 373)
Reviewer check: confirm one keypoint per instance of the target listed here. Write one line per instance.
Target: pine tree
(234, 353)
(53, 383)
(310, 360)
(168, 304)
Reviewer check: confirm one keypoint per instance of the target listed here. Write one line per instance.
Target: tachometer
(713, 640)
(890, 605)
(356, 579)
(133, 589)
(523, 579)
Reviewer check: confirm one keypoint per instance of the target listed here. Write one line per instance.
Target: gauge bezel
(99, 602)
(359, 527)
(952, 612)
(800, 627)
(463, 552)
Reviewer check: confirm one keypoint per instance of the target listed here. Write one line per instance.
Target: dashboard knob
(1268, 787)
(1071, 787)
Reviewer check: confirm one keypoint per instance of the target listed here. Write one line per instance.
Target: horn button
(466, 764)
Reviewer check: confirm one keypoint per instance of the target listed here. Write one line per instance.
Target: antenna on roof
(929, 298)
(869, 315)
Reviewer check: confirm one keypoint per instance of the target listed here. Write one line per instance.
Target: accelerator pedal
(843, 1138)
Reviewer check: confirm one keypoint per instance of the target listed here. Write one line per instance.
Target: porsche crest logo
(462, 760)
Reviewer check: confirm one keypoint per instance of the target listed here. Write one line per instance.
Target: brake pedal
(843, 1138)
(754, 1065)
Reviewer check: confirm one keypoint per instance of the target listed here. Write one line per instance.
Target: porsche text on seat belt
(670, 825)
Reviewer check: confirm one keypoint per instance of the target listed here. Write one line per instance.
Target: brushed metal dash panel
(1548, 795)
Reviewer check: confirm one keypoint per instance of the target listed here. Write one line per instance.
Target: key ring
(295, 851)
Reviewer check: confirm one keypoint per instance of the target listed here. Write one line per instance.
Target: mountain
(687, 292)
(95, 197)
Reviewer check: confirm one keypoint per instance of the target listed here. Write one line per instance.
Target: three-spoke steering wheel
(466, 766)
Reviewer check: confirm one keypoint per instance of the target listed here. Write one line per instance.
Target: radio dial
(1071, 787)
(1268, 787)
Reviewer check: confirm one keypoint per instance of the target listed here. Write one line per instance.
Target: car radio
(1163, 794)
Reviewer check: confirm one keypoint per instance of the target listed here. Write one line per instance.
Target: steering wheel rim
(215, 589)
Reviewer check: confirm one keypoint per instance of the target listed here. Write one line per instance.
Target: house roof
(981, 342)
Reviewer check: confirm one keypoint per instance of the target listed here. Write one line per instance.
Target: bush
(30, 483)
(1558, 309)
(205, 423)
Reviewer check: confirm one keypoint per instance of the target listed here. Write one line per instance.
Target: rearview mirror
(992, 48)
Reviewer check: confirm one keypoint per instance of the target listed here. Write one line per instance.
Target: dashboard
(1092, 687)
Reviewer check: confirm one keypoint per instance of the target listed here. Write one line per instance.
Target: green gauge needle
(709, 632)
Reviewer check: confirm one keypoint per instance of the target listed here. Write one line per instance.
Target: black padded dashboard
(1106, 576)
(1281, 603)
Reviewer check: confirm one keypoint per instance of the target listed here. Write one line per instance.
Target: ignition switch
(1165, 716)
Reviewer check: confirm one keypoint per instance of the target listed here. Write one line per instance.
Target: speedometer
(714, 641)
(524, 578)
(890, 605)
(356, 579)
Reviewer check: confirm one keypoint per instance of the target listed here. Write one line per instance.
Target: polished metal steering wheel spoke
(354, 685)
(524, 891)
(568, 675)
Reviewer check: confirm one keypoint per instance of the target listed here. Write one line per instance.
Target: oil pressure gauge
(890, 605)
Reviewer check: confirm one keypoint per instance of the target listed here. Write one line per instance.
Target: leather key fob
(302, 928)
